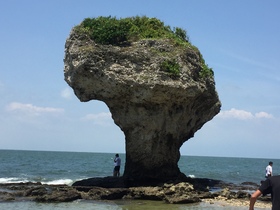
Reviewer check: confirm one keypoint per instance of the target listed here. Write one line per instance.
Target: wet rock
(146, 193)
(179, 192)
(106, 182)
(242, 194)
(98, 193)
(183, 199)
(5, 196)
(59, 196)
(37, 191)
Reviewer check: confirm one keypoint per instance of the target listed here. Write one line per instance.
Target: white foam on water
(59, 182)
(12, 180)
(24, 180)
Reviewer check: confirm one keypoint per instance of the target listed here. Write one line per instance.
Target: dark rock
(37, 191)
(184, 199)
(5, 196)
(106, 182)
(59, 196)
(242, 194)
(98, 193)
(266, 198)
(227, 193)
(147, 193)
(250, 184)
(204, 184)
(179, 192)
(203, 195)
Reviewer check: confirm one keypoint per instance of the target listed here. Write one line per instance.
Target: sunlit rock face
(157, 110)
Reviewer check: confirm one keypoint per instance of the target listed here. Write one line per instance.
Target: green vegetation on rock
(120, 32)
(171, 66)
(206, 71)
(110, 30)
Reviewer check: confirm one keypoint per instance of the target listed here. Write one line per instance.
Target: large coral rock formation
(157, 110)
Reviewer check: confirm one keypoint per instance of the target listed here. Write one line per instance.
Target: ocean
(67, 167)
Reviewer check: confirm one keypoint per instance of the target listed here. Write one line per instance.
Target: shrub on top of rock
(123, 31)
(110, 30)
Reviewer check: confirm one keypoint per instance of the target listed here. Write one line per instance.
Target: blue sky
(239, 39)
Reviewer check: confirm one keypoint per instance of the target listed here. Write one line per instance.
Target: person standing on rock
(117, 167)
(268, 170)
(270, 186)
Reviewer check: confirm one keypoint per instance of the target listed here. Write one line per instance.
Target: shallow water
(116, 205)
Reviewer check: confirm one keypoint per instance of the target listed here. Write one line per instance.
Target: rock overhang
(152, 106)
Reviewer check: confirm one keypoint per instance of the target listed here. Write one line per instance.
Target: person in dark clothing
(270, 186)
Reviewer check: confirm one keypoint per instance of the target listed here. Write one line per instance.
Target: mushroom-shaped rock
(159, 92)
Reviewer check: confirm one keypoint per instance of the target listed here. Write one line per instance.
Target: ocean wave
(12, 180)
(59, 182)
(25, 180)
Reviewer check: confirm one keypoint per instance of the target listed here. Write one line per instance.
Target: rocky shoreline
(112, 188)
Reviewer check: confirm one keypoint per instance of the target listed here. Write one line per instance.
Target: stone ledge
(194, 191)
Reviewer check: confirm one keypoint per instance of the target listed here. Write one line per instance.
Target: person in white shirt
(117, 167)
(268, 170)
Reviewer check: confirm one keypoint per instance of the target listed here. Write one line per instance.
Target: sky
(239, 39)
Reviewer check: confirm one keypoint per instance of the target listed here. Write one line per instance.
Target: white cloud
(66, 93)
(29, 108)
(242, 114)
(103, 118)
(263, 115)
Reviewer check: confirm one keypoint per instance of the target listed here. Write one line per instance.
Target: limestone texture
(157, 110)
(190, 191)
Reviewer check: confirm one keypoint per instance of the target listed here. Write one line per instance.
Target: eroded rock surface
(182, 192)
(157, 111)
